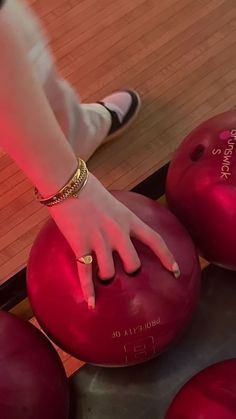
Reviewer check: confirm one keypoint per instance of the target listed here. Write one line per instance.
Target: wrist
(71, 189)
(55, 178)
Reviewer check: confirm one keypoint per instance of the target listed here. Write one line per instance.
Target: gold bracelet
(72, 188)
(68, 185)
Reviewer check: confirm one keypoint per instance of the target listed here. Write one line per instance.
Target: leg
(85, 126)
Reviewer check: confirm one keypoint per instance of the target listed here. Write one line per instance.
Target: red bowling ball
(33, 383)
(135, 318)
(201, 188)
(211, 394)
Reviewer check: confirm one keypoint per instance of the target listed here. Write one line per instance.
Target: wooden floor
(180, 56)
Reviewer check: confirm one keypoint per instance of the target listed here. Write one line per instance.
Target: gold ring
(86, 259)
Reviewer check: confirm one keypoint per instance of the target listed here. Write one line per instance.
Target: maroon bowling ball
(201, 188)
(211, 394)
(33, 383)
(135, 318)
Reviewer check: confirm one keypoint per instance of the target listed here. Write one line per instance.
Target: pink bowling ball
(211, 394)
(33, 383)
(201, 188)
(136, 318)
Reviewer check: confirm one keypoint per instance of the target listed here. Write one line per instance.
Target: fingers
(128, 255)
(153, 240)
(106, 268)
(86, 281)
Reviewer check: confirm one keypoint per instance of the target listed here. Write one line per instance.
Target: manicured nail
(91, 303)
(176, 270)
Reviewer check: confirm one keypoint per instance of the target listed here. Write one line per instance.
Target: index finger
(86, 281)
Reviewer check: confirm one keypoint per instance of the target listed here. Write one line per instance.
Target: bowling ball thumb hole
(197, 153)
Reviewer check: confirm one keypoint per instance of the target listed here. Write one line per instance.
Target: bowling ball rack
(147, 390)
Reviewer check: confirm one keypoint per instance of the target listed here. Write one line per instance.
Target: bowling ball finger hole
(104, 281)
(135, 273)
(108, 281)
(197, 153)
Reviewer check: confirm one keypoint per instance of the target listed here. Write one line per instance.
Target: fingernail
(176, 270)
(91, 303)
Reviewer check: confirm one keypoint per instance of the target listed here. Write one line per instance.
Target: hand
(97, 222)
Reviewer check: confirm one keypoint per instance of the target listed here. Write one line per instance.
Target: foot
(123, 107)
(119, 110)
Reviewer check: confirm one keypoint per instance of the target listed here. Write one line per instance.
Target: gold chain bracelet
(72, 188)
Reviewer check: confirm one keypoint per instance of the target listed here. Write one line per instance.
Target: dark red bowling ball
(135, 318)
(33, 383)
(211, 394)
(201, 188)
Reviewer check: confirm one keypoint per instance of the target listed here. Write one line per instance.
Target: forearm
(29, 132)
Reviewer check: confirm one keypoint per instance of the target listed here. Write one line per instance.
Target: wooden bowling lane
(146, 391)
(179, 54)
